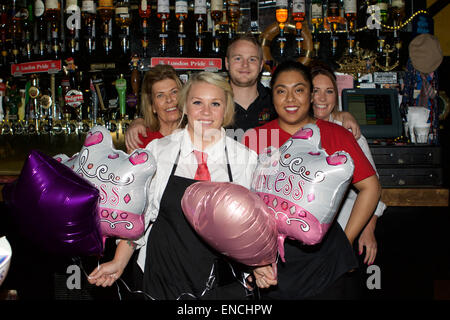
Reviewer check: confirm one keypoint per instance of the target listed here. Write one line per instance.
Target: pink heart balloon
(233, 220)
(305, 189)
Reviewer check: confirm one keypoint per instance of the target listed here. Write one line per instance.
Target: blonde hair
(216, 80)
(157, 73)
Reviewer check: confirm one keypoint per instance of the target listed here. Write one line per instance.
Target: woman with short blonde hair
(214, 79)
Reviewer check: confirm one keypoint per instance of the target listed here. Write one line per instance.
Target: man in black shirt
(253, 101)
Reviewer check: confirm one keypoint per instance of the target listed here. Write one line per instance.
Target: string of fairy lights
(392, 28)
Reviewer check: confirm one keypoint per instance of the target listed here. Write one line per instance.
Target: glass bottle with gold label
(397, 14)
(123, 21)
(281, 14)
(52, 16)
(234, 13)
(15, 31)
(3, 37)
(200, 25)
(350, 17)
(105, 11)
(181, 13)
(298, 14)
(73, 27)
(145, 10)
(163, 11)
(41, 29)
(89, 14)
(216, 16)
(28, 26)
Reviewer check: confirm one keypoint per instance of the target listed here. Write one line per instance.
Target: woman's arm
(132, 141)
(107, 273)
(365, 204)
(348, 122)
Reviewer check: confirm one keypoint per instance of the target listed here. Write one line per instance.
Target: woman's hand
(106, 274)
(265, 276)
(349, 122)
(367, 239)
(132, 140)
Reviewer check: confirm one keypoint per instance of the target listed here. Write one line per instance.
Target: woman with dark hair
(318, 271)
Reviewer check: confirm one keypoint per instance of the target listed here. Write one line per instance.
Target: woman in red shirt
(159, 106)
(317, 271)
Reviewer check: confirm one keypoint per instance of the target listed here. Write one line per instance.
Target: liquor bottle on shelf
(298, 14)
(105, 11)
(216, 16)
(123, 21)
(41, 29)
(145, 10)
(316, 21)
(397, 14)
(316, 14)
(73, 25)
(333, 19)
(333, 14)
(234, 13)
(254, 15)
(350, 17)
(88, 14)
(200, 25)
(52, 16)
(15, 31)
(3, 37)
(163, 15)
(350, 14)
(181, 13)
(28, 26)
(384, 6)
(281, 14)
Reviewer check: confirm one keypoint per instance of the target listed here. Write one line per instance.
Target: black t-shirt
(258, 113)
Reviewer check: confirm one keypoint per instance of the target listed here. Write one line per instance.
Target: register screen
(370, 109)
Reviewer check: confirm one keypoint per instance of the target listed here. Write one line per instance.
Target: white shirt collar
(214, 151)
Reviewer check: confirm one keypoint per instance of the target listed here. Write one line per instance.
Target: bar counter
(13, 152)
(392, 197)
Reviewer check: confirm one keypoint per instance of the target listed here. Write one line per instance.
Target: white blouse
(347, 203)
(242, 160)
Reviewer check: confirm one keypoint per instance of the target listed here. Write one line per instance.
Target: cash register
(408, 165)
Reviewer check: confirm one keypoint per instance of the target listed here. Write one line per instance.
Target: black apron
(179, 264)
(310, 270)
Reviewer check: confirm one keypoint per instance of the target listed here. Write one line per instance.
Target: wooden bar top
(415, 197)
(392, 197)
